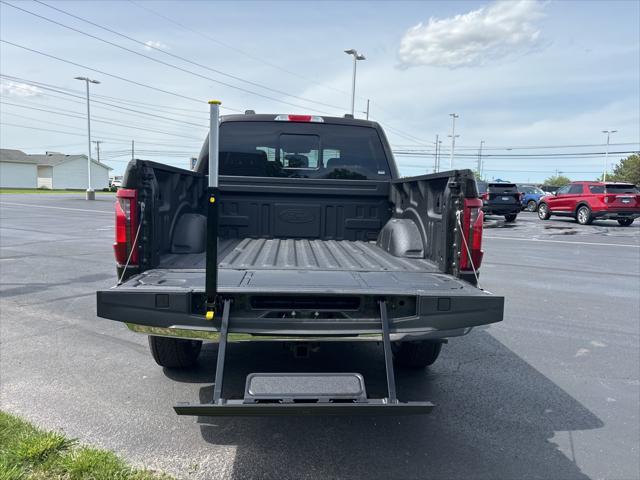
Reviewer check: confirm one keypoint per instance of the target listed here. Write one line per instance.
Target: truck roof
(269, 117)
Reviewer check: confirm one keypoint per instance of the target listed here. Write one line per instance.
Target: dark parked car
(500, 198)
(530, 196)
(588, 201)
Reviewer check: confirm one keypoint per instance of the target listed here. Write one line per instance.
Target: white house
(17, 170)
(56, 170)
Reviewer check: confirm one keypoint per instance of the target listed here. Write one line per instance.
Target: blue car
(531, 195)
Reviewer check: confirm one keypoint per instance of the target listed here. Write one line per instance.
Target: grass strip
(28, 453)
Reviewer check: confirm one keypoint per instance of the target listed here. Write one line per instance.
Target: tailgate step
(304, 387)
(304, 393)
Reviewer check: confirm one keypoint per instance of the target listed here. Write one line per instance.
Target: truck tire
(583, 215)
(543, 211)
(174, 352)
(416, 354)
(625, 222)
(510, 218)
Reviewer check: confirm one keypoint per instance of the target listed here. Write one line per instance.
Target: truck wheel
(416, 354)
(511, 218)
(583, 215)
(625, 222)
(174, 352)
(543, 211)
(532, 206)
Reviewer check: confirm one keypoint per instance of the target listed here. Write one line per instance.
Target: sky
(520, 74)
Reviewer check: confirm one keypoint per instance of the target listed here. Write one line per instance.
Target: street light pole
(606, 155)
(90, 194)
(356, 56)
(453, 137)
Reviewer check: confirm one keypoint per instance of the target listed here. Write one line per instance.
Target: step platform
(304, 393)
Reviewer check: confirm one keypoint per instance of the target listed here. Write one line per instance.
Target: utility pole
(133, 150)
(356, 56)
(90, 194)
(367, 112)
(606, 155)
(480, 159)
(453, 137)
(435, 159)
(97, 142)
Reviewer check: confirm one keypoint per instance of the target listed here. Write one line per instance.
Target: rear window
(301, 150)
(503, 188)
(621, 188)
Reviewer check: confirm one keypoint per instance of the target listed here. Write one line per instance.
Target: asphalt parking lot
(551, 392)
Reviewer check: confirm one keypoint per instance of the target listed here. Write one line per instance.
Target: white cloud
(495, 31)
(153, 44)
(14, 89)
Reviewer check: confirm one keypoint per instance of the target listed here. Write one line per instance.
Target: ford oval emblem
(294, 215)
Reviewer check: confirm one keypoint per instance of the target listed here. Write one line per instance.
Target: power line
(117, 109)
(521, 155)
(102, 72)
(242, 52)
(99, 119)
(126, 140)
(77, 94)
(167, 64)
(533, 147)
(219, 72)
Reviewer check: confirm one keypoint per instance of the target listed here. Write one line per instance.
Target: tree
(628, 170)
(557, 180)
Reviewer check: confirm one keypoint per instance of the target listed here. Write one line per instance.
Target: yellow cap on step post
(215, 102)
(209, 315)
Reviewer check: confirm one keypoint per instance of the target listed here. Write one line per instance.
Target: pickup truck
(589, 201)
(319, 239)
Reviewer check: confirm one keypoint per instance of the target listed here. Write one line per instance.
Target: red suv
(588, 201)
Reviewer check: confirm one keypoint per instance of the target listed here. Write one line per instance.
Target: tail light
(126, 226)
(299, 118)
(472, 219)
(610, 198)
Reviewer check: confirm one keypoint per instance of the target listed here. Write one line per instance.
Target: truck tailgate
(300, 287)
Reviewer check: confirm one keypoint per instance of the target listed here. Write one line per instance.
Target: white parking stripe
(562, 241)
(56, 208)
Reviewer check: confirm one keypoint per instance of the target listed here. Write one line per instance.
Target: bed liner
(292, 254)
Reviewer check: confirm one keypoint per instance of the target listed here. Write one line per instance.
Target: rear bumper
(615, 214)
(502, 209)
(212, 334)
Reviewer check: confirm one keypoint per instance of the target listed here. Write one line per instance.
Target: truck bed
(311, 266)
(289, 254)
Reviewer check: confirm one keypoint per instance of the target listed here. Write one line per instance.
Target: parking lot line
(563, 241)
(56, 208)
